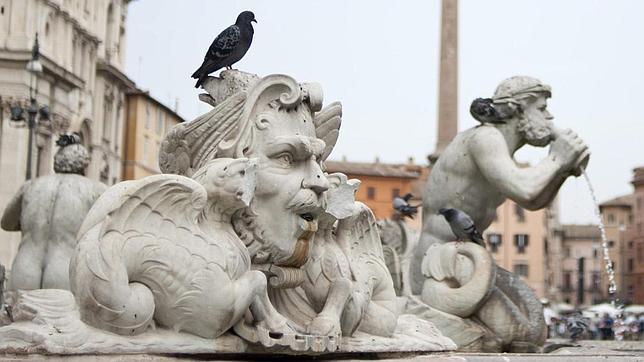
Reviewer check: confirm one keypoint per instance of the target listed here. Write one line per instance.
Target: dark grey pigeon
(228, 47)
(462, 225)
(484, 111)
(402, 206)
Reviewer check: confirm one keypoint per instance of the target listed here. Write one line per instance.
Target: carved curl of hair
(278, 89)
(71, 159)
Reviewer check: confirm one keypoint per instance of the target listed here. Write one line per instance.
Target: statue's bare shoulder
(486, 139)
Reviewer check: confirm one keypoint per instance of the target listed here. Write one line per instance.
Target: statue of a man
(49, 211)
(477, 171)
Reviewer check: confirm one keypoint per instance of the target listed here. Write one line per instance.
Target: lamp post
(34, 67)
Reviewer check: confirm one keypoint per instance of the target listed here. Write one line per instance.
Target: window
(519, 212)
(630, 264)
(160, 121)
(521, 242)
(595, 253)
(147, 116)
(371, 193)
(630, 244)
(521, 270)
(146, 149)
(610, 219)
(611, 243)
(395, 192)
(595, 281)
(494, 240)
(566, 252)
(567, 280)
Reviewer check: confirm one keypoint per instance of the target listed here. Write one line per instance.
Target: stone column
(448, 78)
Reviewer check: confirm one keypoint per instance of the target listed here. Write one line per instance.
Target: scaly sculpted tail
(99, 282)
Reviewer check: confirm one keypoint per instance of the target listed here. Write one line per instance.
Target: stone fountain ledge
(47, 321)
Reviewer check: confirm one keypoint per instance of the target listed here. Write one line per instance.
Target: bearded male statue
(476, 173)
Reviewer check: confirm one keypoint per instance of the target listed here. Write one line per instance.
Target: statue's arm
(531, 187)
(11, 216)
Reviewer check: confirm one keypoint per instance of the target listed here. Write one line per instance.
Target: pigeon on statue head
(462, 225)
(228, 47)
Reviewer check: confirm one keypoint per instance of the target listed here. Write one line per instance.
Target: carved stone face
(290, 183)
(536, 124)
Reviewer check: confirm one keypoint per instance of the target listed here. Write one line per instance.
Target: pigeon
(462, 225)
(228, 47)
(577, 325)
(483, 110)
(68, 139)
(401, 204)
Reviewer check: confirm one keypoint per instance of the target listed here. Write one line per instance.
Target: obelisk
(448, 78)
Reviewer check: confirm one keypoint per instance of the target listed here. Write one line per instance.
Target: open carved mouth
(307, 216)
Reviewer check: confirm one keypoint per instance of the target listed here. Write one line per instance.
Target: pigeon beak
(254, 21)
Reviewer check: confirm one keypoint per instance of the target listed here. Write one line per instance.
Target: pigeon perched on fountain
(577, 325)
(402, 206)
(462, 225)
(228, 47)
(68, 139)
(484, 111)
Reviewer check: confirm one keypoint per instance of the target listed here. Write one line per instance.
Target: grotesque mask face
(535, 124)
(290, 184)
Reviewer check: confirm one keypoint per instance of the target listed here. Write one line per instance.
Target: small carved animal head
(230, 183)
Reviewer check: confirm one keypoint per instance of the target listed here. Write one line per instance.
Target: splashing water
(608, 264)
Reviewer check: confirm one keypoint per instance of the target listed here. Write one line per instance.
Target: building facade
(617, 216)
(623, 218)
(634, 276)
(82, 46)
(148, 120)
(516, 239)
(581, 265)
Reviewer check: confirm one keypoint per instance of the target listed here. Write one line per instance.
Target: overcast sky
(380, 59)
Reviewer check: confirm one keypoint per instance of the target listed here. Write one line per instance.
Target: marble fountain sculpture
(243, 244)
(479, 305)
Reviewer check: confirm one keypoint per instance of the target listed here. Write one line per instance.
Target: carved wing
(358, 234)
(188, 146)
(327, 126)
(150, 205)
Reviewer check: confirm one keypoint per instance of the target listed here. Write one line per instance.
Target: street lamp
(34, 67)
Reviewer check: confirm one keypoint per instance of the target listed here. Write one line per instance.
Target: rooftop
(589, 231)
(374, 169)
(621, 201)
